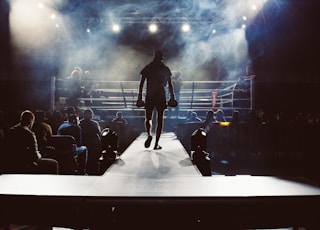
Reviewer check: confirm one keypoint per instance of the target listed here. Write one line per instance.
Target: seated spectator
(55, 120)
(72, 128)
(69, 111)
(119, 118)
(219, 116)
(208, 122)
(194, 118)
(188, 115)
(22, 154)
(42, 130)
(91, 137)
(235, 120)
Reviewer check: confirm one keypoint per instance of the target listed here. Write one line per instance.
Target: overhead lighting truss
(167, 20)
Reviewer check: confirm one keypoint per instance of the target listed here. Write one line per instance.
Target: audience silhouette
(42, 130)
(91, 138)
(119, 118)
(193, 117)
(72, 128)
(22, 153)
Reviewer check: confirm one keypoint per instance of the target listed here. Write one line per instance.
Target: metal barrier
(194, 95)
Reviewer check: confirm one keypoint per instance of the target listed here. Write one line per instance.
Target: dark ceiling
(283, 38)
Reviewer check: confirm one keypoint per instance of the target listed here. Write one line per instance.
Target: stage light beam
(40, 5)
(30, 23)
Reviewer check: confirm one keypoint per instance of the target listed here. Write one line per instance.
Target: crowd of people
(27, 147)
(277, 133)
(261, 132)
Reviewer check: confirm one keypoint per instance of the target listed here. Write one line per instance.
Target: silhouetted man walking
(158, 75)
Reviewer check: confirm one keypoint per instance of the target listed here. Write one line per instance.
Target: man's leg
(148, 127)
(159, 128)
(148, 121)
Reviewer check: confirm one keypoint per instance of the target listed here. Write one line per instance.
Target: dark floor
(281, 165)
(294, 166)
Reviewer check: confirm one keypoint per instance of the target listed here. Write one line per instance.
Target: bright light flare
(116, 28)
(254, 7)
(153, 28)
(40, 5)
(31, 24)
(185, 27)
(246, 9)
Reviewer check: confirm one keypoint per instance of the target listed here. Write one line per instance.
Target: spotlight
(254, 7)
(185, 27)
(153, 28)
(109, 140)
(53, 16)
(109, 144)
(199, 155)
(115, 27)
(199, 140)
(40, 5)
(88, 30)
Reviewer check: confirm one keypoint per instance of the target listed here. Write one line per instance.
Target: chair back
(64, 151)
(63, 143)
